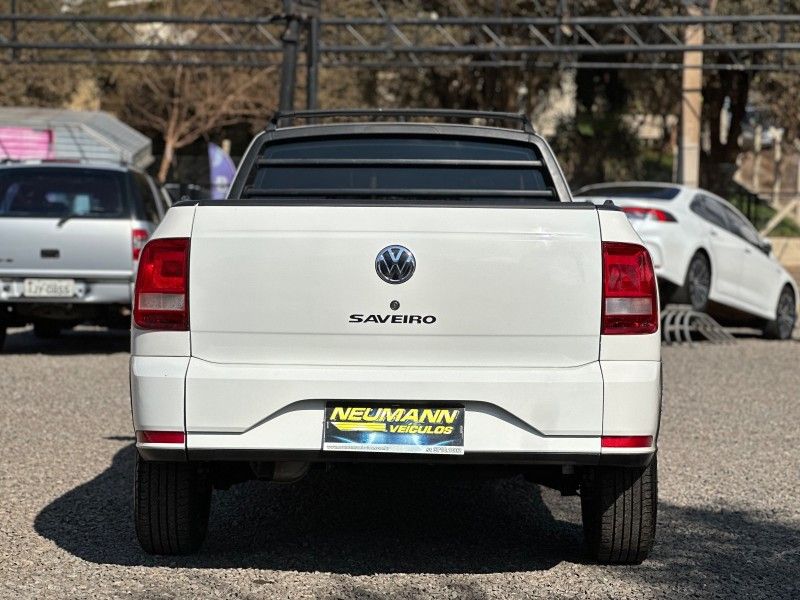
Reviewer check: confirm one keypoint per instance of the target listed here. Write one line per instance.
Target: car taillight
(630, 299)
(161, 296)
(639, 212)
(138, 240)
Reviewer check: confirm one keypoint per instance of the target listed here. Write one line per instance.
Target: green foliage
(596, 149)
(656, 165)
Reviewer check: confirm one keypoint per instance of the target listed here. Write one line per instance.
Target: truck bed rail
(400, 114)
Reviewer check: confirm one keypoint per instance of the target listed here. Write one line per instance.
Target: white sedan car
(706, 252)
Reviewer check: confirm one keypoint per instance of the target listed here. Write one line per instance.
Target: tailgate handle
(50, 253)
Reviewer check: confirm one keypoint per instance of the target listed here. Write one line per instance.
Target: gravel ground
(729, 520)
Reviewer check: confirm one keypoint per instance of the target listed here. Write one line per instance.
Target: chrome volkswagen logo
(395, 264)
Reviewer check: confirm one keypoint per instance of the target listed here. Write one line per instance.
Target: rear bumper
(533, 416)
(640, 459)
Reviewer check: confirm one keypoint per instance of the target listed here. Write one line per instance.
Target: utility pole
(797, 188)
(692, 101)
(777, 162)
(13, 8)
(290, 39)
(312, 63)
(297, 12)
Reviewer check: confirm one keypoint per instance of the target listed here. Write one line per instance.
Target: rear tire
(698, 282)
(46, 330)
(619, 507)
(171, 506)
(782, 326)
(2, 336)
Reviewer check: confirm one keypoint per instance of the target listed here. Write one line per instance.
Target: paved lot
(729, 521)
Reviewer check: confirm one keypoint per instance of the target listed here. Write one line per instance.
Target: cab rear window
(400, 166)
(52, 192)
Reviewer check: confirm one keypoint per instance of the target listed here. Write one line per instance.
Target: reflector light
(160, 437)
(655, 214)
(161, 301)
(138, 240)
(161, 294)
(630, 298)
(626, 441)
(627, 306)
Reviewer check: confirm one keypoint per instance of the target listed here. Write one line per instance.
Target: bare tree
(184, 104)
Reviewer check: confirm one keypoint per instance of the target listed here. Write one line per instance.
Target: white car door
(761, 275)
(727, 249)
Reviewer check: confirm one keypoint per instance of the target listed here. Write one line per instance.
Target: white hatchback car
(706, 252)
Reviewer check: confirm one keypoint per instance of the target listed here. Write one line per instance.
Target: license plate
(401, 428)
(48, 288)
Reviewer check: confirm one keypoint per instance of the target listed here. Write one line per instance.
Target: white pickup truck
(418, 292)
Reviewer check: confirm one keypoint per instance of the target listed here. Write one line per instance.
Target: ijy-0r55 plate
(48, 288)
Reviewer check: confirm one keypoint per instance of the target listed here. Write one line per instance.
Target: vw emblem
(395, 264)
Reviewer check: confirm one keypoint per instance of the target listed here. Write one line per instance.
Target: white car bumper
(263, 412)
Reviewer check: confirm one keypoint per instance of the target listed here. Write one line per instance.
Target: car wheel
(2, 336)
(46, 330)
(698, 282)
(619, 507)
(782, 326)
(171, 506)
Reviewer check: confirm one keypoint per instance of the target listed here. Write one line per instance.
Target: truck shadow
(77, 341)
(353, 523)
(341, 521)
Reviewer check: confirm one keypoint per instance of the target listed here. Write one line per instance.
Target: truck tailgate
(507, 287)
(84, 248)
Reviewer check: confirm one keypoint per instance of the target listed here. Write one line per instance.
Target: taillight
(630, 299)
(138, 240)
(161, 296)
(655, 214)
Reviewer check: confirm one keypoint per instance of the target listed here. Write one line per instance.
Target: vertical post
(797, 192)
(312, 63)
(758, 132)
(560, 16)
(13, 29)
(782, 35)
(777, 161)
(290, 39)
(691, 104)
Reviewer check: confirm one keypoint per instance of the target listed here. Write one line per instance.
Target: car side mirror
(765, 246)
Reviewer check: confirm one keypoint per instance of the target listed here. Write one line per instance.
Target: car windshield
(401, 166)
(651, 192)
(53, 192)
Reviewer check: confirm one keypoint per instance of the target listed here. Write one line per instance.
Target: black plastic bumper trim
(163, 454)
(316, 456)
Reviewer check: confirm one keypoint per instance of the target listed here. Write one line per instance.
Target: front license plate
(402, 428)
(48, 288)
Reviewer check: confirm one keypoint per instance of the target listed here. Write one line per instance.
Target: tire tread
(771, 329)
(171, 506)
(619, 507)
